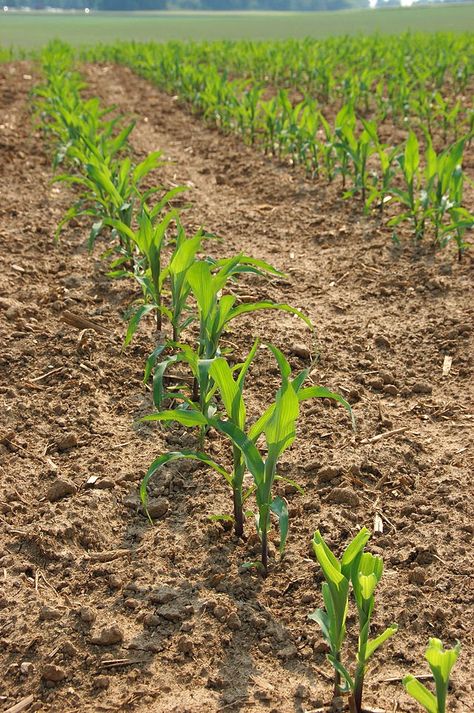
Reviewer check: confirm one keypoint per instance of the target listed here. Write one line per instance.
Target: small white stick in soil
(447, 363)
(21, 705)
(387, 434)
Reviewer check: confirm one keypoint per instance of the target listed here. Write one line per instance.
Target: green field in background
(35, 29)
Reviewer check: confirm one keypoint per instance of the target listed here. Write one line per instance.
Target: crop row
(407, 77)
(190, 296)
(410, 183)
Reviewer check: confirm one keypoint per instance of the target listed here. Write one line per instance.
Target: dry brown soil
(99, 611)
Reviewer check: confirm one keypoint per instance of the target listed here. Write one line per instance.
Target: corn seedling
(379, 191)
(440, 661)
(335, 591)
(277, 424)
(358, 149)
(412, 197)
(109, 194)
(149, 240)
(215, 311)
(445, 182)
(231, 391)
(364, 572)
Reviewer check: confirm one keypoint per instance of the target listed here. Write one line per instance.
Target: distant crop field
(35, 29)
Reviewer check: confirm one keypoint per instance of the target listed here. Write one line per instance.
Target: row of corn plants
(399, 77)
(91, 147)
(410, 183)
(190, 295)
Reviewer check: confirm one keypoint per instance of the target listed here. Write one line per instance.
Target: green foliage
(231, 391)
(335, 591)
(277, 425)
(433, 192)
(405, 80)
(441, 662)
(363, 571)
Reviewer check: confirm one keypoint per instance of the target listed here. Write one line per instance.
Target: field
(35, 29)
(103, 610)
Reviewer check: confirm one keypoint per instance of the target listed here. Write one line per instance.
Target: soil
(100, 611)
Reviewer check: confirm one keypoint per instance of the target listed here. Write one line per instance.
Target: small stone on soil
(87, 615)
(376, 383)
(108, 635)
(60, 488)
(68, 649)
(300, 350)
(302, 691)
(171, 612)
(387, 377)
(382, 342)
(422, 387)
(417, 576)
(49, 614)
(114, 581)
(12, 313)
(221, 612)
(131, 603)
(66, 442)
(233, 621)
(328, 473)
(287, 652)
(105, 484)
(53, 673)
(101, 682)
(343, 496)
(162, 595)
(185, 645)
(151, 621)
(157, 508)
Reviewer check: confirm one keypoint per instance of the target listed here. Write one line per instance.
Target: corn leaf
(374, 644)
(135, 321)
(251, 455)
(254, 306)
(421, 694)
(280, 508)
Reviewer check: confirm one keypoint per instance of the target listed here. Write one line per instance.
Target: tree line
(211, 5)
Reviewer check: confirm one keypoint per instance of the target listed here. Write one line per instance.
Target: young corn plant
(215, 311)
(364, 571)
(379, 191)
(149, 239)
(231, 392)
(109, 193)
(441, 662)
(277, 425)
(461, 221)
(354, 150)
(327, 152)
(412, 197)
(335, 591)
(445, 183)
